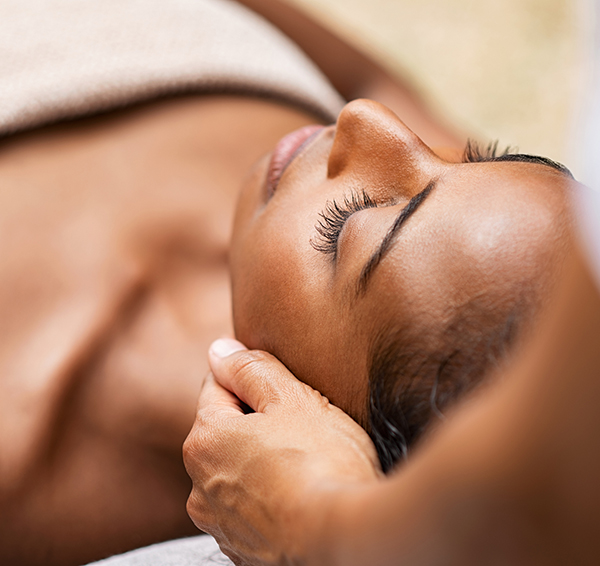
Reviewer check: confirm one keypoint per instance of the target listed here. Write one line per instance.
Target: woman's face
(317, 297)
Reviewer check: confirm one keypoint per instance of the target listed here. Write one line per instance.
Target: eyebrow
(389, 239)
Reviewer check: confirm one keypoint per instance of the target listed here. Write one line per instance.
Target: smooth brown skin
(491, 231)
(510, 478)
(113, 281)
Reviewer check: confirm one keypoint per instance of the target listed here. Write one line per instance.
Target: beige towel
(67, 58)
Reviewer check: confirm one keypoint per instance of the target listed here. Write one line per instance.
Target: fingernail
(225, 347)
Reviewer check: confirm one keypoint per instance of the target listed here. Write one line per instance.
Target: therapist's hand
(265, 482)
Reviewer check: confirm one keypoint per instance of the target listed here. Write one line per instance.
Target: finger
(215, 404)
(257, 378)
(215, 399)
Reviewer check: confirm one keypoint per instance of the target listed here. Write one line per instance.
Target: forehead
(489, 204)
(482, 227)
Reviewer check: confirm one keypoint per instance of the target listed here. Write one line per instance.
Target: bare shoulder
(113, 281)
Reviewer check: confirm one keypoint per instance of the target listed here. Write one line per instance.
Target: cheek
(247, 255)
(281, 301)
(267, 274)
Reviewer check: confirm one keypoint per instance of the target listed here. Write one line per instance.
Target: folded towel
(62, 59)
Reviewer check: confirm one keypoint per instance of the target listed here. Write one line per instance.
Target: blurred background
(512, 70)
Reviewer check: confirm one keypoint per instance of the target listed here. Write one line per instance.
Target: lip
(285, 151)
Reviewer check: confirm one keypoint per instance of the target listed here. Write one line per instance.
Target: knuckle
(189, 448)
(251, 363)
(203, 421)
(189, 505)
(195, 447)
(194, 510)
(309, 397)
(255, 367)
(191, 455)
(322, 401)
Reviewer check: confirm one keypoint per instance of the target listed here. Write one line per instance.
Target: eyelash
(333, 218)
(335, 215)
(477, 153)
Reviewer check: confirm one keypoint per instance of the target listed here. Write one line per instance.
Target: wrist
(328, 521)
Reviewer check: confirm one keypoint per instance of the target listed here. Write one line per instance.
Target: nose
(372, 145)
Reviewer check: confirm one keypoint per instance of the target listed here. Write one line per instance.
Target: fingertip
(224, 347)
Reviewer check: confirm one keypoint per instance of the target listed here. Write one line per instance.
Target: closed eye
(332, 220)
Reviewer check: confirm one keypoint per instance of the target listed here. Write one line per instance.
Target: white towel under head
(66, 58)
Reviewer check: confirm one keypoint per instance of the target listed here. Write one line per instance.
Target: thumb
(257, 378)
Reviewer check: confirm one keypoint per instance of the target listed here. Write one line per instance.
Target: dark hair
(414, 376)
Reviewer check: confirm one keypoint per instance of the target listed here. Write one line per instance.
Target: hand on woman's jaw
(325, 452)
